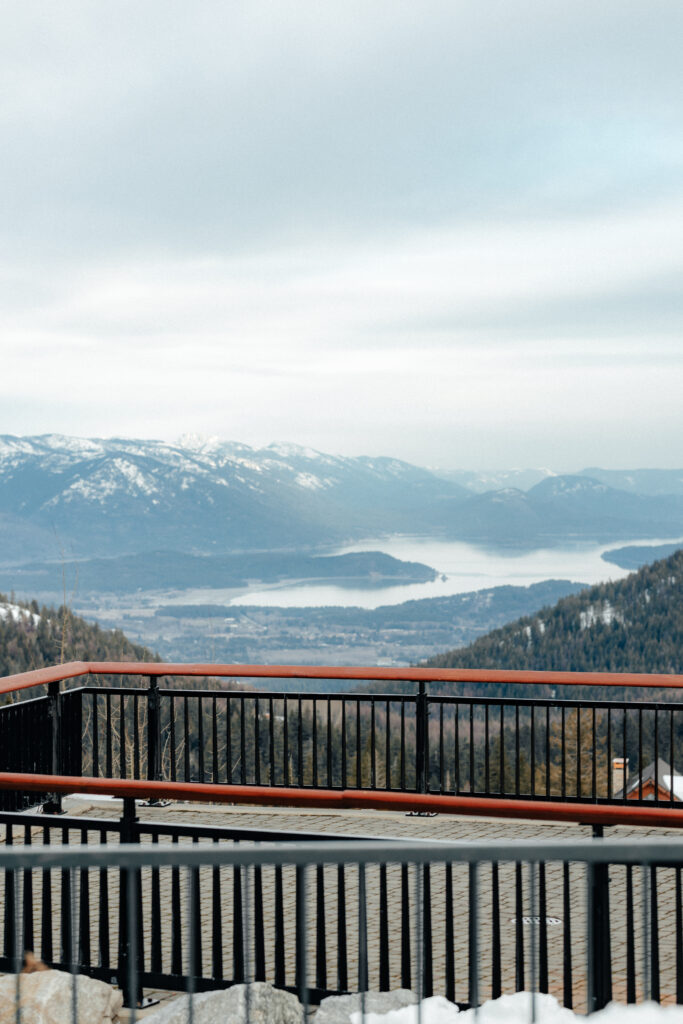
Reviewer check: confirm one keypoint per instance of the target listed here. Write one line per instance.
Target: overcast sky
(447, 231)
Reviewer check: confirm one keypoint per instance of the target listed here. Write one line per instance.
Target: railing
(328, 917)
(462, 744)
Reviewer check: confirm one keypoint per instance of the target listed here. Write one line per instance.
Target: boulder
(338, 1009)
(267, 1005)
(46, 997)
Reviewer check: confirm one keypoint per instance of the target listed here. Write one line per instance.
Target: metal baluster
(533, 750)
(259, 927)
(243, 744)
(358, 747)
(301, 946)
(28, 942)
(343, 744)
(84, 910)
(406, 981)
(217, 923)
(257, 743)
(200, 738)
(427, 958)
(214, 740)
(342, 958)
(473, 935)
(155, 949)
(176, 921)
(595, 759)
(228, 741)
(373, 764)
(450, 937)
(237, 926)
(103, 934)
(280, 978)
(384, 973)
(300, 744)
(314, 741)
(542, 931)
(487, 787)
(186, 738)
(441, 754)
(387, 753)
(654, 934)
(136, 738)
(123, 767)
(568, 997)
(271, 742)
(46, 907)
(496, 956)
(403, 745)
(630, 939)
(285, 742)
(501, 733)
(519, 931)
(330, 780)
(320, 943)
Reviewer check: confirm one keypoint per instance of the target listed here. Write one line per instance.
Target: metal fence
(587, 921)
(524, 748)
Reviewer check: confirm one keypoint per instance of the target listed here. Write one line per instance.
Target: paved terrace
(367, 824)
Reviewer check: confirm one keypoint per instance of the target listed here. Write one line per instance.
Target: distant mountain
(93, 497)
(633, 625)
(640, 481)
(495, 479)
(564, 509)
(63, 498)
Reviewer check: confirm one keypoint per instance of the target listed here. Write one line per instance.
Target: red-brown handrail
(25, 680)
(349, 799)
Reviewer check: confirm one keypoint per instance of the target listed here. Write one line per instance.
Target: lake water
(464, 566)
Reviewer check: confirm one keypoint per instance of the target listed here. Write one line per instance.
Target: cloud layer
(450, 232)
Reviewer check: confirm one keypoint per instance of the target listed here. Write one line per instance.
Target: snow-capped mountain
(93, 496)
(85, 497)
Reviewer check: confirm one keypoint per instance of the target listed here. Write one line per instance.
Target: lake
(465, 567)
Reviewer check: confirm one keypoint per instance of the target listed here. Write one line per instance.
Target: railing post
(53, 804)
(599, 923)
(421, 738)
(129, 834)
(153, 731)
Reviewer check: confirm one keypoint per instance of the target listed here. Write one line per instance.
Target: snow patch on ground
(517, 1009)
(16, 613)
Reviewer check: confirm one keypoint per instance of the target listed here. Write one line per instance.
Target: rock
(46, 997)
(267, 1005)
(338, 1009)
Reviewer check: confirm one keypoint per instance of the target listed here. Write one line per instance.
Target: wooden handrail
(39, 677)
(350, 799)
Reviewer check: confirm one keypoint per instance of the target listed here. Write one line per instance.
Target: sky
(445, 231)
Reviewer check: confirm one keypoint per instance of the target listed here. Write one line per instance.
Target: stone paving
(365, 824)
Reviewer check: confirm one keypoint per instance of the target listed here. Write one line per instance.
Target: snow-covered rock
(267, 1005)
(341, 1009)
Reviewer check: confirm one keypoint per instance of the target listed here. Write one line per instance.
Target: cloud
(382, 226)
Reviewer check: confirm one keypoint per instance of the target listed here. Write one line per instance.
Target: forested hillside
(633, 625)
(33, 637)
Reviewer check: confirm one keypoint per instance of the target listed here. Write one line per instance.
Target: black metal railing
(585, 920)
(538, 748)
(533, 748)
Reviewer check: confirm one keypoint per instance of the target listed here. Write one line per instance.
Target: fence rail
(588, 920)
(461, 744)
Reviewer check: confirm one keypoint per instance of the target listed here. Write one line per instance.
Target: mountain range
(64, 497)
